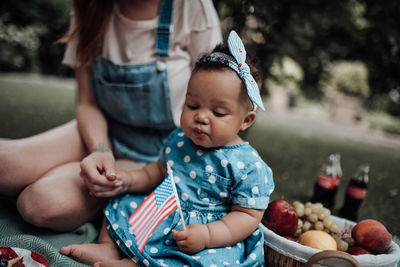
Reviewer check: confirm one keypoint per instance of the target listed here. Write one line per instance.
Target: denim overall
(135, 99)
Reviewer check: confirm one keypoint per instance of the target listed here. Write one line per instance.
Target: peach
(372, 236)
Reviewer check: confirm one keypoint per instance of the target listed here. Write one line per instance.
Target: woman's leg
(60, 199)
(24, 161)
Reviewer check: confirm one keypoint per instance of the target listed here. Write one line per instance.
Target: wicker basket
(281, 252)
(273, 258)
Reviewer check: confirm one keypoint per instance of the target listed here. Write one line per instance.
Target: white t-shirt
(196, 30)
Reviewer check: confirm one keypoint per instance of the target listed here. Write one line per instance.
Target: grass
(295, 152)
(296, 158)
(29, 108)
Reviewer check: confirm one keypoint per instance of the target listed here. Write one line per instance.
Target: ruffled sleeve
(205, 27)
(69, 58)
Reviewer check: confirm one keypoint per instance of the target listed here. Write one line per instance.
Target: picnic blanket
(16, 233)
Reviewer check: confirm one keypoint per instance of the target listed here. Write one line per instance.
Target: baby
(222, 183)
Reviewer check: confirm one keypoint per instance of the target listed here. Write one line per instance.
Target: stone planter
(346, 108)
(279, 99)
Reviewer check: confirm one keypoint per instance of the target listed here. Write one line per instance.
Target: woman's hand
(98, 172)
(192, 240)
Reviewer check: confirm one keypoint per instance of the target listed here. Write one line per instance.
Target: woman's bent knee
(57, 208)
(35, 207)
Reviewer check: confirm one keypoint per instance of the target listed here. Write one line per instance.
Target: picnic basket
(281, 252)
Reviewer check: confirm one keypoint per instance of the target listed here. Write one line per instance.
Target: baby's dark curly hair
(206, 63)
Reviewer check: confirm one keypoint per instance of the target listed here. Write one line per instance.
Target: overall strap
(164, 28)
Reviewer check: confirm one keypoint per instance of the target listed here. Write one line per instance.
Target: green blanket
(14, 232)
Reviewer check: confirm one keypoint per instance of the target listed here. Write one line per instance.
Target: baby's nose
(201, 117)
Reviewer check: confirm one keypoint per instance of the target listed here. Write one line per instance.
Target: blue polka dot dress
(208, 182)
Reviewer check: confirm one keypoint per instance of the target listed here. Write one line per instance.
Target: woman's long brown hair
(91, 20)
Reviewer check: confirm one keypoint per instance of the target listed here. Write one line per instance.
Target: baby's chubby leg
(105, 251)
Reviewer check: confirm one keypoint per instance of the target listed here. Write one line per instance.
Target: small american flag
(153, 210)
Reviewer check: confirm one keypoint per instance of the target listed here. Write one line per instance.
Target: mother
(132, 60)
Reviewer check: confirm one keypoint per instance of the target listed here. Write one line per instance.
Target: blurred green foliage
(287, 73)
(315, 33)
(29, 31)
(311, 32)
(349, 77)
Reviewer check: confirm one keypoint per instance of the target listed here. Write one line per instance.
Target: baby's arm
(143, 180)
(231, 229)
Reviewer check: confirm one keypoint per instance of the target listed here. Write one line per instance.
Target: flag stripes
(153, 210)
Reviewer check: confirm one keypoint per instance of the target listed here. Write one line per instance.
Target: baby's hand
(193, 239)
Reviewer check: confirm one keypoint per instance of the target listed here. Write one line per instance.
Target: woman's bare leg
(24, 161)
(45, 170)
(60, 200)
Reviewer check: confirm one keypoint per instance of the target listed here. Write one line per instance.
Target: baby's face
(213, 113)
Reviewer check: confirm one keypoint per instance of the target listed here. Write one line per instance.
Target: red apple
(356, 250)
(280, 217)
(372, 236)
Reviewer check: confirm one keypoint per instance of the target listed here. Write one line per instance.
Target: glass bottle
(355, 193)
(325, 185)
(339, 173)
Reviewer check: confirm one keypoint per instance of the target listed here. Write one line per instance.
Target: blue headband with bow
(238, 64)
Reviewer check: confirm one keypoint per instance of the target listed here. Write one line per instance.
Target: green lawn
(296, 159)
(28, 108)
(294, 155)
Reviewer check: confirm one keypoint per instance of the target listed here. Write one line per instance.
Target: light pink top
(196, 30)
